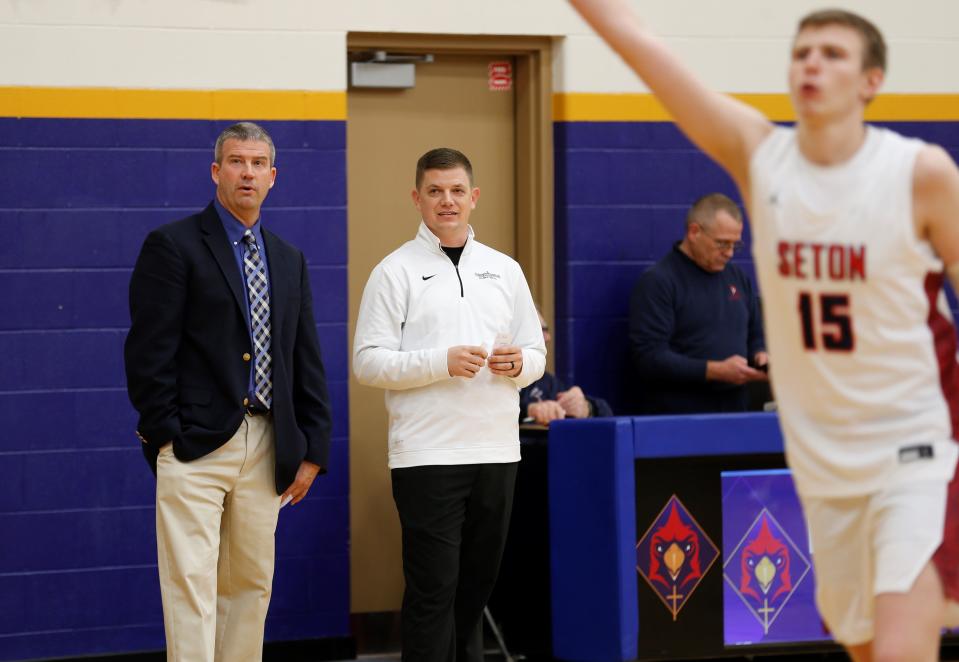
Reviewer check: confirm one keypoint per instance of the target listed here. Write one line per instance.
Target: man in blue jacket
(223, 366)
(695, 331)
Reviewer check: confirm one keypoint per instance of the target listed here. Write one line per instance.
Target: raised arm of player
(936, 206)
(724, 128)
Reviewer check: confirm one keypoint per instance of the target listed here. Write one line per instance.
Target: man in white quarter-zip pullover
(448, 327)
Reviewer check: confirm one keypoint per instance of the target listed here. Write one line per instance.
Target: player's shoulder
(935, 186)
(934, 166)
(772, 143)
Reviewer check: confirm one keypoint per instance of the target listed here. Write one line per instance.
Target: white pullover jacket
(416, 305)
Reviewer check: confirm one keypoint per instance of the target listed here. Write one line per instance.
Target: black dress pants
(454, 520)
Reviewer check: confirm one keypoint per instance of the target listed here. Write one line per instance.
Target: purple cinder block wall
(77, 542)
(622, 191)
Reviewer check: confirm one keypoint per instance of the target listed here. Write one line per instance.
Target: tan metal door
(387, 131)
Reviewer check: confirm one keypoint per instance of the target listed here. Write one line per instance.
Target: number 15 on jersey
(826, 322)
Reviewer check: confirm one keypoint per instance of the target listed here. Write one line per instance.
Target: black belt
(257, 411)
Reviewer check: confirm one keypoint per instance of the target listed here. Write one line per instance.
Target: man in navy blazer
(223, 365)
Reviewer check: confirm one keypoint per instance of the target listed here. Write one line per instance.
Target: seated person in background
(695, 331)
(547, 398)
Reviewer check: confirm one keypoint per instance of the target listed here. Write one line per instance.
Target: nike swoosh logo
(427, 277)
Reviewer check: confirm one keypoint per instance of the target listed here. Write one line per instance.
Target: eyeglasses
(736, 246)
(724, 245)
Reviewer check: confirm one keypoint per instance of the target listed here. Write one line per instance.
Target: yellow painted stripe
(914, 107)
(116, 103)
(582, 107)
(119, 103)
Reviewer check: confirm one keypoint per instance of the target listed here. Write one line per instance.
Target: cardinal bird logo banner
(765, 569)
(674, 555)
(769, 584)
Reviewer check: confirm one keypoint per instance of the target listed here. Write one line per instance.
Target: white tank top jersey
(861, 340)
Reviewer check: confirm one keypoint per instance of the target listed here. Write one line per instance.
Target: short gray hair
(703, 211)
(243, 131)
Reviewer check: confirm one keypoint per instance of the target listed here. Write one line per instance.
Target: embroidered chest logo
(674, 555)
(486, 275)
(734, 293)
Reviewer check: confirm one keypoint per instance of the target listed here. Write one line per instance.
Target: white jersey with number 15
(857, 326)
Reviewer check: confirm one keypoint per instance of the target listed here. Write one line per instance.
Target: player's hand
(465, 360)
(733, 370)
(545, 411)
(574, 402)
(506, 360)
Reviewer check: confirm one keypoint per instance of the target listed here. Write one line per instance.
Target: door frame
(533, 89)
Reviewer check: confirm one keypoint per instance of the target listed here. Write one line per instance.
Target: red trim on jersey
(946, 557)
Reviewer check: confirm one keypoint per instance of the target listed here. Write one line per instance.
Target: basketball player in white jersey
(853, 229)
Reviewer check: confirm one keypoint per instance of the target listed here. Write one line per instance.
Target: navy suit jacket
(186, 371)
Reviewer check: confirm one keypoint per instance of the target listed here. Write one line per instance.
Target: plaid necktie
(256, 286)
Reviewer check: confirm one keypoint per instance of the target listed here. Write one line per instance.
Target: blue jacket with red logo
(680, 316)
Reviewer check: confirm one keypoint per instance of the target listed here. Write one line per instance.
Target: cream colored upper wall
(96, 56)
(743, 45)
(736, 45)
(253, 44)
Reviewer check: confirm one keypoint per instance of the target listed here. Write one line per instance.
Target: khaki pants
(216, 518)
